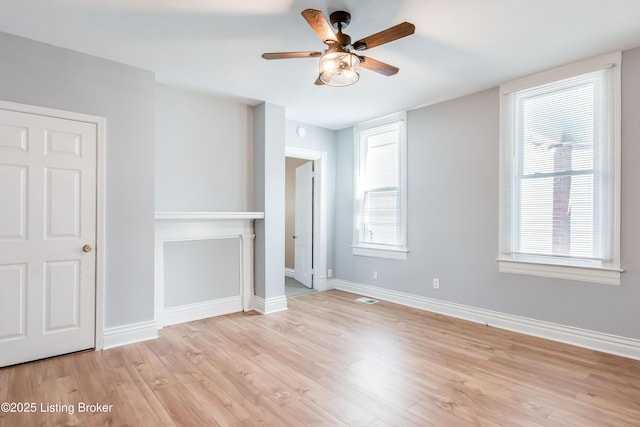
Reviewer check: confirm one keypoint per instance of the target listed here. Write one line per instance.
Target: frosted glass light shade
(339, 68)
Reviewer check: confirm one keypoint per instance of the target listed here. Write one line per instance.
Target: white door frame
(319, 158)
(100, 248)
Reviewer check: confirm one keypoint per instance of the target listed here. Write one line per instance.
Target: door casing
(320, 225)
(100, 246)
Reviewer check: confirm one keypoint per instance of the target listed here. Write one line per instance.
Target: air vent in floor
(367, 300)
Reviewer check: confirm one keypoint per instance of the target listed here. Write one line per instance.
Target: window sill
(592, 274)
(388, 253)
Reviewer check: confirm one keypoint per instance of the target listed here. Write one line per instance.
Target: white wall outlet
(329, 273)
(375, 275)
(436, 283)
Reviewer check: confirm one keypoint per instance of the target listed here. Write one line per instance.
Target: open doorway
(317, 252)
(299, 177)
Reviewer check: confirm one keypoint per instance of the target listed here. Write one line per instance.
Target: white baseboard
(323, 284)
(613, 344)
(129, 334)
(201, 310)
(289, 272)
(270, 305)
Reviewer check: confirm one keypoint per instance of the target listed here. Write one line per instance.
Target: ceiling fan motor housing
(340, 19)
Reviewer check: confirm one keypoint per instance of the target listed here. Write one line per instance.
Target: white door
(47, 236)
(303, 242)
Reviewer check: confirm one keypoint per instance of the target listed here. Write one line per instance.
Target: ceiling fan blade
(319, 25)
(287, 55)
(377, 66)
(385, 36)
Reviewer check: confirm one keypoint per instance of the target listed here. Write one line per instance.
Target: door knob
(87, 248)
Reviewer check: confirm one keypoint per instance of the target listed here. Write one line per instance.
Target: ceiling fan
(339, 65)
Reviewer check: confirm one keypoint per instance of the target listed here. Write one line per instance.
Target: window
(380, 188)
(560, 162)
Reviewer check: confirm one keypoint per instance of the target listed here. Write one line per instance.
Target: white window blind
(379, 196)
(560, 179)
(379, 220)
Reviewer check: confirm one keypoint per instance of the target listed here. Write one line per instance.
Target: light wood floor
(331, 361)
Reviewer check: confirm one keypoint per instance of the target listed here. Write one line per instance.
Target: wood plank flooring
(330, 361)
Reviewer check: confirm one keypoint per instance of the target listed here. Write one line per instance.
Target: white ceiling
(214, 46)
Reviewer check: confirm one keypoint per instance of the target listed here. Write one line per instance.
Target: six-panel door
(47, 216)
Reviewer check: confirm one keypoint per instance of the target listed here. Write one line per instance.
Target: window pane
(558, 130)
(557, 140)
(557, 216)
(380, 219)
(381, 160)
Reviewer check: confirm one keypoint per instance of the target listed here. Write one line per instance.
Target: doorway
(311, 244)
(299, 178)
(49, 232)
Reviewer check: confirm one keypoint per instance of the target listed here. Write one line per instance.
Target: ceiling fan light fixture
(339, 68)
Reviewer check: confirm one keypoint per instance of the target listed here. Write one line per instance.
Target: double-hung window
(560, 165)
(380, 188)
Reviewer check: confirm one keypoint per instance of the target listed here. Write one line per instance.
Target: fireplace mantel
(211, 216)
(186, 226)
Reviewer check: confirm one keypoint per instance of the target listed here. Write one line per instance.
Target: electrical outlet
(330, 273)
(375, 275)
(436, 283)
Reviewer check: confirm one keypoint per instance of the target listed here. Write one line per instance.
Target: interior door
(303, 242)
(47, 236)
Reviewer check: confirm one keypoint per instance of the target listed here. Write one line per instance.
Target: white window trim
(584, 271)
(372, 250)
(379, 252)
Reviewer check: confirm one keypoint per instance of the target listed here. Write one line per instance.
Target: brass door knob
(87, 248)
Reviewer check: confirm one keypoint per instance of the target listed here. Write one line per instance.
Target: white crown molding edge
(129, 334)
(599, 341)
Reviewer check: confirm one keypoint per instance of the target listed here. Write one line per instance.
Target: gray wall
(201, 270)
(453, 220)
(268, 189)
(203, 163)
(203, 152)
(40, 74)
(321, 139)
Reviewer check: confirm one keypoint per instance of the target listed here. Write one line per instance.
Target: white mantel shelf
(189, 226)
(208, 215)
